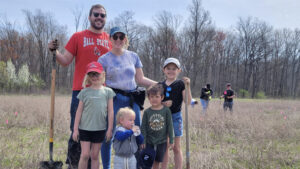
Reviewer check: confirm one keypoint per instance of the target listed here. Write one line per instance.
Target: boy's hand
(167, 103)
(142, 146)
(135, 128)
(186, 80)
(171, 146)
(75, 136)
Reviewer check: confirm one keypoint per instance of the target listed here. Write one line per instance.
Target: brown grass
(258, 134)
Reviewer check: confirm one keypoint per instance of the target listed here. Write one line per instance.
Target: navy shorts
(160, 151)
(92, 136)
(177, 124)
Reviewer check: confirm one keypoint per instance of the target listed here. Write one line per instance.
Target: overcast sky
(224, 13)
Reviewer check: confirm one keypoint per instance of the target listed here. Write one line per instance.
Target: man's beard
(93, 24)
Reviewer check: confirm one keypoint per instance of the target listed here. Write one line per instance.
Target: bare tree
(77, 13)
(85, 22)
(43, 28)
(198, 35)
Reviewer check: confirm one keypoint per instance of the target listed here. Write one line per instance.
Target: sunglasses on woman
(121, 37)
(96, 14)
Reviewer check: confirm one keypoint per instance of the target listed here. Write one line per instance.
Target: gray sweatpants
(124, 162)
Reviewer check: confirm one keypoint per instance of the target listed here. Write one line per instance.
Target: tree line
(257, 59)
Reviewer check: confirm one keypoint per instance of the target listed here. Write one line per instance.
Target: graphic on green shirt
(156, 122)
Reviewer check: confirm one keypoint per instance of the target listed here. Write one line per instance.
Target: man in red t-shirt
(85, 46)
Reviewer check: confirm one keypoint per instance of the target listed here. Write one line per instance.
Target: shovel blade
(51, 165)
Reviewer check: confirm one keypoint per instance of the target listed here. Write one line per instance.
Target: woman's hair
(154, 89)
(123, 112)
(126, 45)
(97, 6)
(87, 80)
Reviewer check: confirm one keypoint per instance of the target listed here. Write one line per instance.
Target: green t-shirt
(157, 125)
(94, 115)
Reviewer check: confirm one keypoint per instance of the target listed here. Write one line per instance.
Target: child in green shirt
(157, 124)
(94, 116)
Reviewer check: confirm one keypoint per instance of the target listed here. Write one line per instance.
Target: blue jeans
(177, 124)
(204, 104)
(120, 101)
(228, 105)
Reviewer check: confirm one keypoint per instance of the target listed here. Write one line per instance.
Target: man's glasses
(93, 74)
(121, 37)
(97, 14)
(168, 91)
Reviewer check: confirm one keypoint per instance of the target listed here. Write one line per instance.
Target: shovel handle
(187, 127)
(53, 74)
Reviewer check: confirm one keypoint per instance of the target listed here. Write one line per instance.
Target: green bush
(243, 93)
(3, 75)
(36, 81)
(260, 95)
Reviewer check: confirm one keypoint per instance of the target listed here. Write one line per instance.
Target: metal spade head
(51, 165)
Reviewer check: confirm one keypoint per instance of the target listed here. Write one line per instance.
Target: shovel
(52, 164)
(187, 128)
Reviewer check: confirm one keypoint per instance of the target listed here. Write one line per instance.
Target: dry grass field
(258, 134)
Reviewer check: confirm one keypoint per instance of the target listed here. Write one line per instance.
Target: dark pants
(228, 105)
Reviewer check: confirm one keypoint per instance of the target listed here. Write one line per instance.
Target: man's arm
(63, 59)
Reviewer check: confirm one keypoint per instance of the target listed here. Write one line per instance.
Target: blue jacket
(125, 143)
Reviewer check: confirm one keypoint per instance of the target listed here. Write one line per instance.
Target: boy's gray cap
(172, 60)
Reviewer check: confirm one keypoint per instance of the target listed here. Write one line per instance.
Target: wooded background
(255, 58)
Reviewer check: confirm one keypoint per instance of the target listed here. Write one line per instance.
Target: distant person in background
(205, 97)
(85, 46)
(228, 96)
(193, 102)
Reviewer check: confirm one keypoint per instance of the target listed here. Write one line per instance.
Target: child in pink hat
(94, 114)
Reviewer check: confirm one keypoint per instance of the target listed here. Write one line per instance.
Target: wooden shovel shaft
(187, 128)
(53, 74)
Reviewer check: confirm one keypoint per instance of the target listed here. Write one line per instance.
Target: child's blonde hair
(123, 112)
(87, 79)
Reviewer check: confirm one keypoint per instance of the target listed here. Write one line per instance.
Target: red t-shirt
(86, 46)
